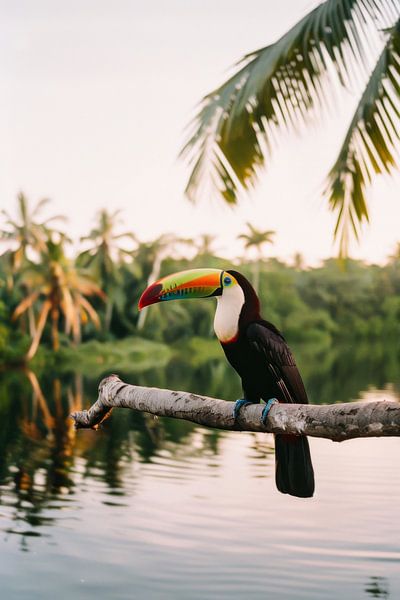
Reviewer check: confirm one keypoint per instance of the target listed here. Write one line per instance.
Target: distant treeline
(336, 301)
(50, 300)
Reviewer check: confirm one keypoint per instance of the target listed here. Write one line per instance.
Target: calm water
(160, 509)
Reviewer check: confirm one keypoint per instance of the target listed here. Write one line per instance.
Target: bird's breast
(226, 320)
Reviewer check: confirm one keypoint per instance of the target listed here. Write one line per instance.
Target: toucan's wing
(269, 342)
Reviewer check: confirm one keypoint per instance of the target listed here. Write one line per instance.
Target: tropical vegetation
(59, 304)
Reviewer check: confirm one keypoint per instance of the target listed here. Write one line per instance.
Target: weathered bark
(337, 422)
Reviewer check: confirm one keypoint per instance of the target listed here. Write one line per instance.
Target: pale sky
(94, 99)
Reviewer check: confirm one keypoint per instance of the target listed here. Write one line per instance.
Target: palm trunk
(54, 329)
(39, 329)
(76, 330)
(31, 321)
(31, 313)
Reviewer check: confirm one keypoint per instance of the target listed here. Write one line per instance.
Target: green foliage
(338, 302)
(321, 305)
(324, 305)
(4, 330)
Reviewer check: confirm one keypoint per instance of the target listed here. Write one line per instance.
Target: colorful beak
(195, 283)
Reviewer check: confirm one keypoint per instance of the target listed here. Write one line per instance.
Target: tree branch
(337, 422)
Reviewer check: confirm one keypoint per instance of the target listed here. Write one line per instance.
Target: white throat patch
(229, 306)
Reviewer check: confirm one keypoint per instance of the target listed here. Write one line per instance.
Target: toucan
(257, 351)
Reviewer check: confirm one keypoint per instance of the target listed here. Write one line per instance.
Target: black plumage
(268, 369)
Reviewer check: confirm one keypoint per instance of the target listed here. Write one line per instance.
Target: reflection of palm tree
(47, 452)
(61, 289)
(281, 85)
(255, 238)
(377, 587)
(75, 399)
(102, 256)
(38, 398)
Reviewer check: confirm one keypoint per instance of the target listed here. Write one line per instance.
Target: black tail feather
(294, 471)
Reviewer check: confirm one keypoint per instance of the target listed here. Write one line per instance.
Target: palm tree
(61, 290)
(25, 230)
(282, 85)
(105, 254)
(255, 238)
(205, 244)
(298, 261)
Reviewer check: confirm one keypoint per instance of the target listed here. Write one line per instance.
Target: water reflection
(344, 372)
(37, 448)
(40, 449)
(146, 483)
(377, 587)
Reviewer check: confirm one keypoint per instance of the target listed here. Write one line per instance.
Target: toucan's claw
(238, 405)
(266, 409)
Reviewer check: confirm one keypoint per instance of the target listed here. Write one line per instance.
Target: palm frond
(32, 277)
(256, 237)
(41, 322)
(9, 220)
(68, 308)
(25, 304)
(127, 234)
(85, 304)
(7, 235)
(86, 286)
(39, 206)
(23, 208)
(276, 87)
(62, 218)
(370, 145)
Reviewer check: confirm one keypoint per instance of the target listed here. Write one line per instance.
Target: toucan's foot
(238, 405)
(266, 409)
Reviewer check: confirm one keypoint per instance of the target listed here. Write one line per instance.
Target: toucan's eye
(227, 280)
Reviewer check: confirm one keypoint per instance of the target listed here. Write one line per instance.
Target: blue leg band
(266, 409)
(238, 406)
